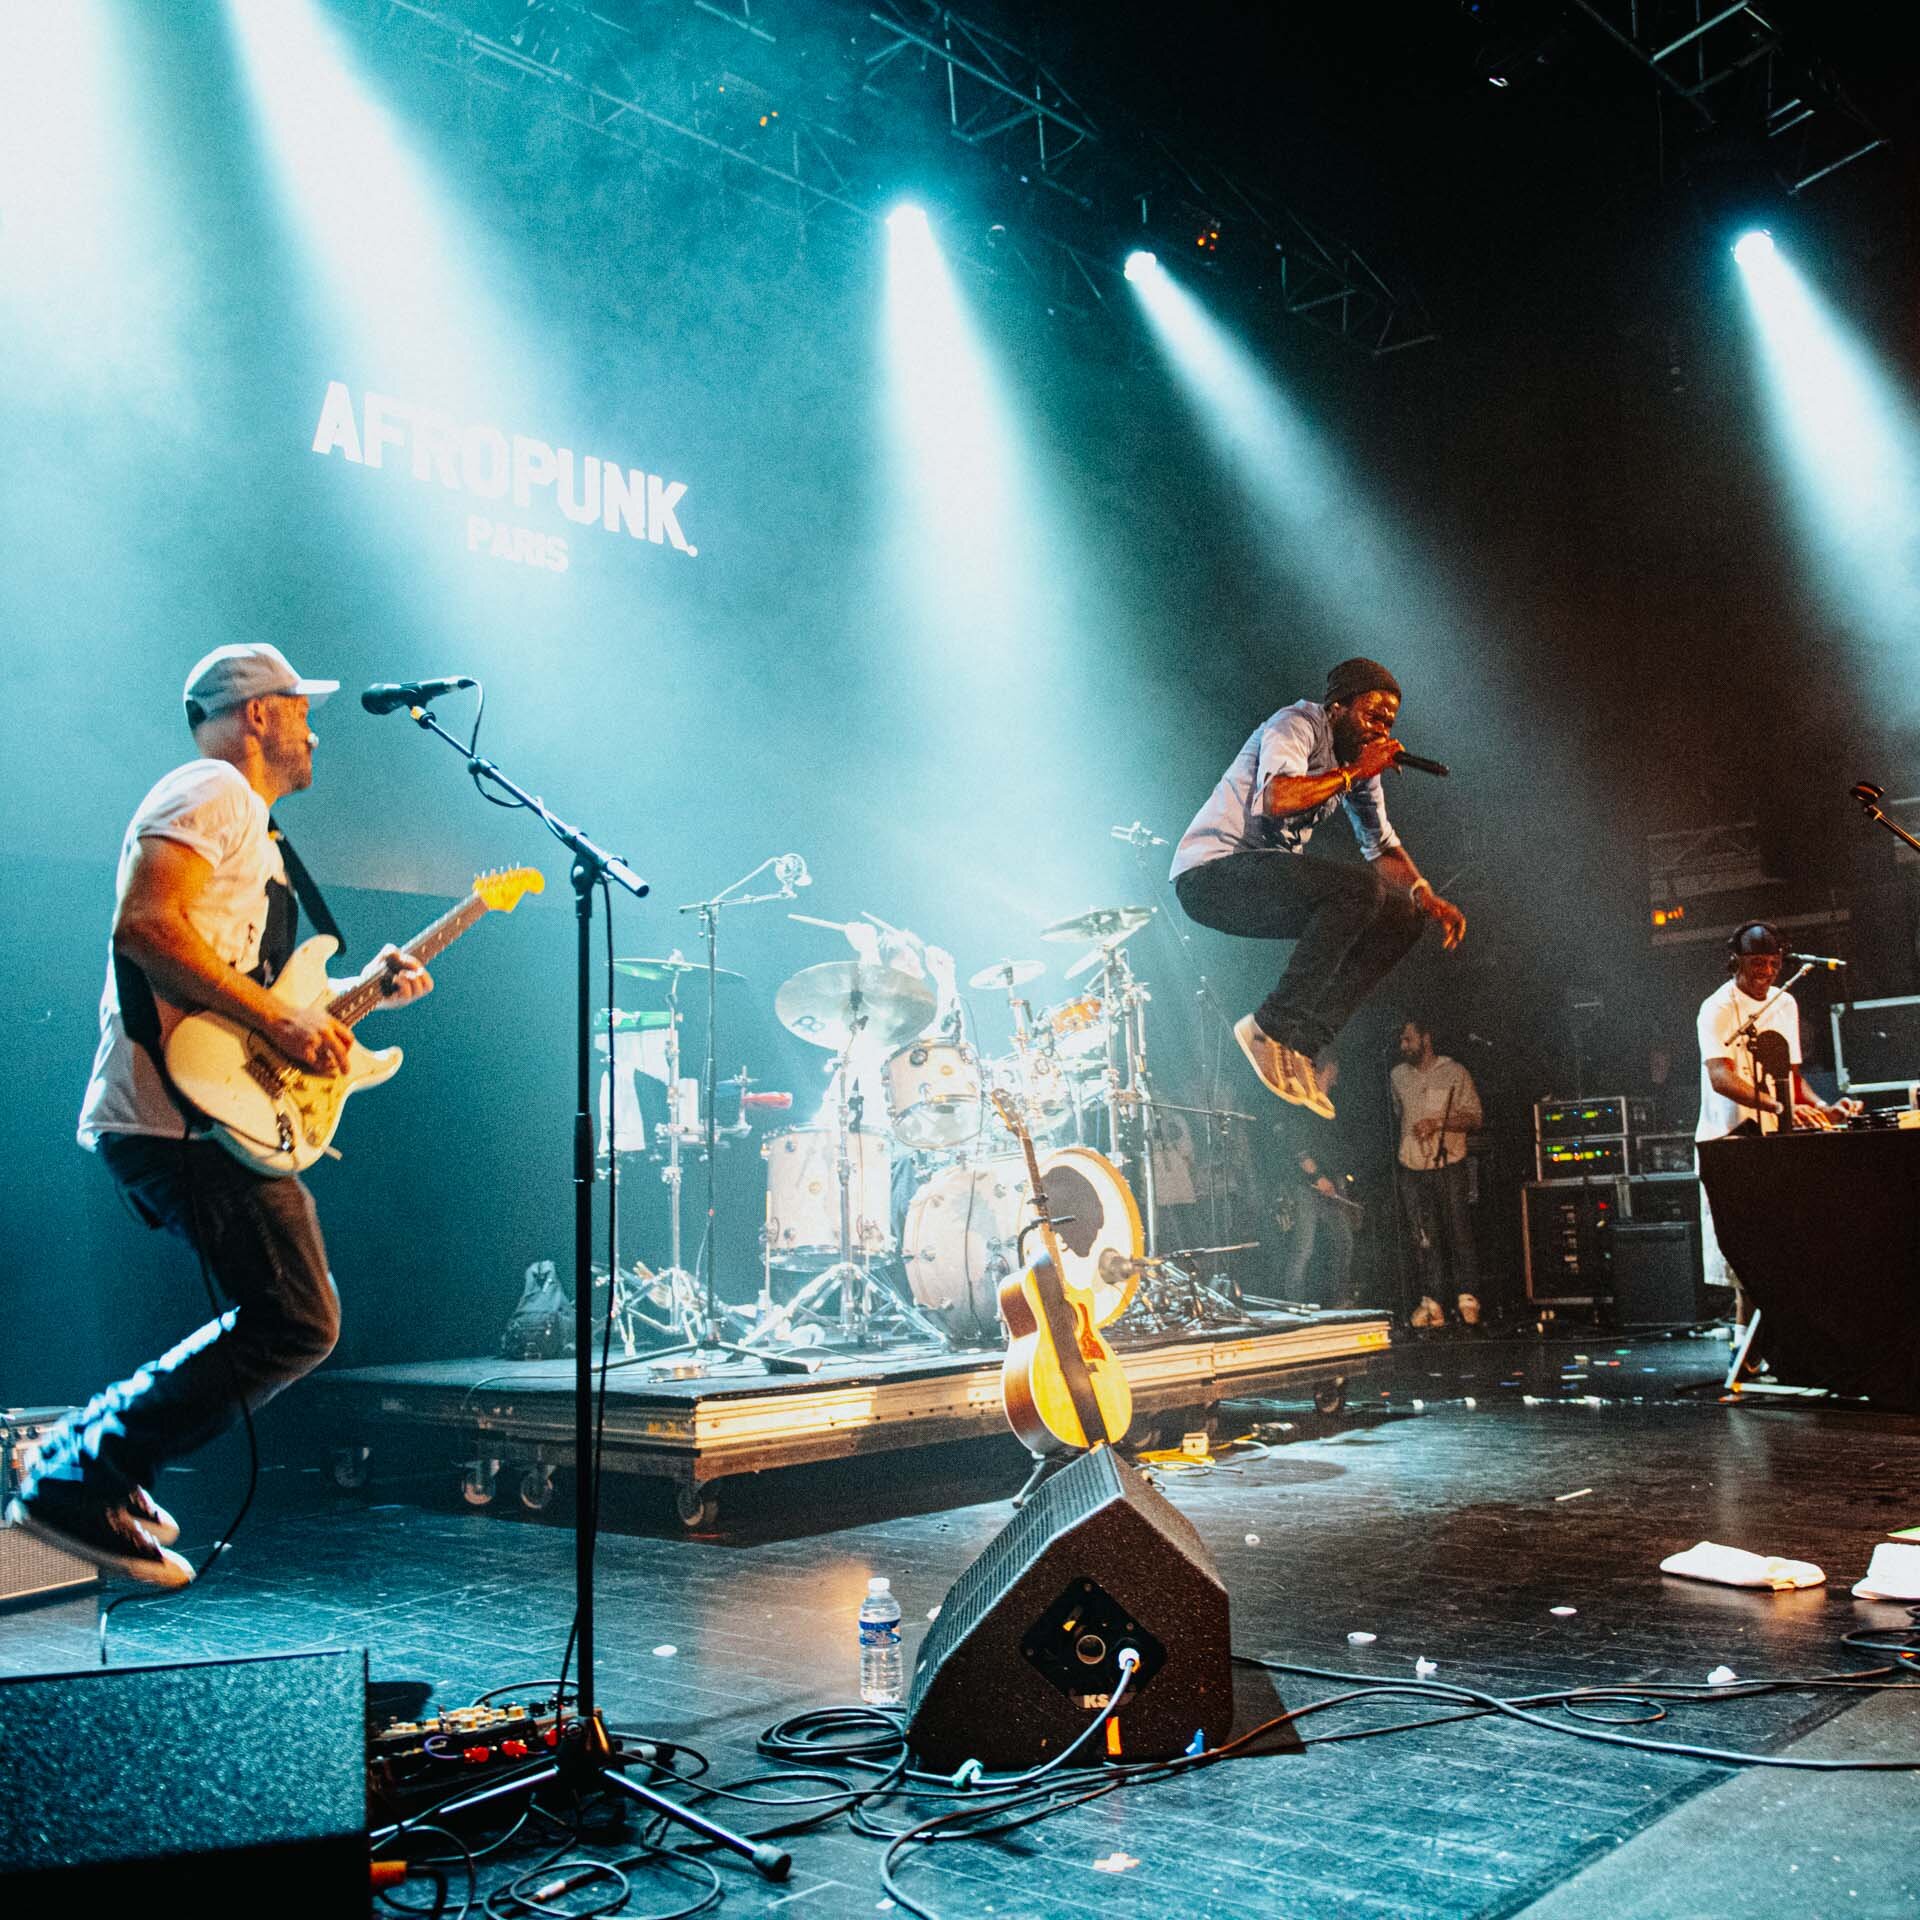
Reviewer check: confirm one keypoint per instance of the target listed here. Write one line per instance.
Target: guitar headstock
(503, 889)
(1008, 1108)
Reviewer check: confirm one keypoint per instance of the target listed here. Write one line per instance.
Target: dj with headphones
(1750, 1062)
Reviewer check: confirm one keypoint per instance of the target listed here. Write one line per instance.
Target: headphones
(1757, 936)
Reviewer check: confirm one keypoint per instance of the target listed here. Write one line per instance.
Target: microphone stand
(1748, 1032)
(589, 1757)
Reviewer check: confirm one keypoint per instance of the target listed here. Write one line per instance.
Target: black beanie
(1351, 678)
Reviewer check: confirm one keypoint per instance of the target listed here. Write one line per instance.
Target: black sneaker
(83, 1521)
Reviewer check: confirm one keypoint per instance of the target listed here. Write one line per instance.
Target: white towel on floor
(1892, 1574)
(1736, 1567)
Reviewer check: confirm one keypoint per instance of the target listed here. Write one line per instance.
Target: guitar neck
(367, 994)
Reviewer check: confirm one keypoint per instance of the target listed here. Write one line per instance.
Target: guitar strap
(311, 900)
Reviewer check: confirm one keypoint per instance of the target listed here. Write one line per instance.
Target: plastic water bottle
(883, 1668)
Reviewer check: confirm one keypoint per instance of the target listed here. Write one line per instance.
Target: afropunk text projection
(525, 475)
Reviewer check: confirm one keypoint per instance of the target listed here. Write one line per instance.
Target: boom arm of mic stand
(1893, 826)
(587, 853)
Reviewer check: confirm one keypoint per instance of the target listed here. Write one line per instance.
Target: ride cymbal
(828, 1004)
(1008, 974)
(1099, 924)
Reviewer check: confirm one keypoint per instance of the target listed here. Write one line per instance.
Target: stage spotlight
(1753, 247)
(1323, 534)
(1140, 263)
(1847, 438)
(907, 218)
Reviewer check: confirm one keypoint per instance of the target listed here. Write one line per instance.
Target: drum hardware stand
(702, 1335)
(589, 1760)
(852, 1273)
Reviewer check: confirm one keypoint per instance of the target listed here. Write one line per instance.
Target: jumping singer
(1242, 868)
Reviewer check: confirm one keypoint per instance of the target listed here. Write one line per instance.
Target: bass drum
(803, 1195)
(1102, 1227)
(958, 1244)
(962, 1233)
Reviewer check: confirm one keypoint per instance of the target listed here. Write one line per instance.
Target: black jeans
(260, 1239)
(1351, 929)
(1439, 1222)
(1325, 1223)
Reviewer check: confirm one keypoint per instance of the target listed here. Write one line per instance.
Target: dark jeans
(1351, 930)
(1439, 1222)
(1324, 1223)
(260, 1239)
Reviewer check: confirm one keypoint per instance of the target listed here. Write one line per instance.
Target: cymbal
(821, 1004)
(1008, 973)
(1099, 924)
(643, 967)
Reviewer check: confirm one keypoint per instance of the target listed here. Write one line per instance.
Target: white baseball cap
(231, 676)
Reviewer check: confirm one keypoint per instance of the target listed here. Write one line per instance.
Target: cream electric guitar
(274, 1113)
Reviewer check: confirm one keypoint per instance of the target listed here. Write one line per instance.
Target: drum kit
(900, 1207)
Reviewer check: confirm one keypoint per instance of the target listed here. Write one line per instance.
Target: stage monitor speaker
(1656, 1274)
(1026, 1648)
(237, 1782)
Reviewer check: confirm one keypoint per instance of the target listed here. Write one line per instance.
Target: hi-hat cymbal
(1007, 974)
(828, 1004)
(1100, 924)
(643, 967)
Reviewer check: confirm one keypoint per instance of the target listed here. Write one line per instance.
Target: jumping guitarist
(204, 917)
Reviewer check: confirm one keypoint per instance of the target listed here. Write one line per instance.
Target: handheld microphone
(1136, 836)
(791, 871)
(1419, 765)
(1817, 960)
(386, 696)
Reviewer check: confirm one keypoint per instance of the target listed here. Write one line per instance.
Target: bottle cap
(879, 1584)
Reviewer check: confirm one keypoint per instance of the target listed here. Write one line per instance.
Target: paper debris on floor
(1736, 1567)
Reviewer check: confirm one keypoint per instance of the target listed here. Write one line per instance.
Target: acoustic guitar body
(1042, 1319)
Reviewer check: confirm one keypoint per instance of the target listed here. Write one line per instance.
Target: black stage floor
(1477, 1487)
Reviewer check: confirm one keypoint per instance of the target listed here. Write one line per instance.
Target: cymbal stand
(702, 1338)
(1129, 1091)
(685, 1302)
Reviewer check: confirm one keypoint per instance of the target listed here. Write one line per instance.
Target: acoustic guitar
(280, 1115)
(1063, 1386)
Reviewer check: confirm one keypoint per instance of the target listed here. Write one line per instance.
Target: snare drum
(1078, 1026)
(803, 1195)
(934, 1094)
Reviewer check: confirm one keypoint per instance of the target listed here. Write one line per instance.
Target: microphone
(791, 871)
(385, 696)
(1136, 836)
(1413, 760)
(1817, 960)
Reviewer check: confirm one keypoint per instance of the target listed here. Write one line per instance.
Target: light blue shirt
(1296, 740)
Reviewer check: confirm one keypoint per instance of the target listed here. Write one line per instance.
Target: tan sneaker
(1427, 1314)
(1277, 1066)
(1319, 1103)
(1468, 1308)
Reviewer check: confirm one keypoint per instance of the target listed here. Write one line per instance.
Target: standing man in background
(1438, 1106)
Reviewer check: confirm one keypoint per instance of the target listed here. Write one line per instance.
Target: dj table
(1823, 1230)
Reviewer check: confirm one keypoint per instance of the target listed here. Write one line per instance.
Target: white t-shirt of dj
(208, 806)
(1722, 1014)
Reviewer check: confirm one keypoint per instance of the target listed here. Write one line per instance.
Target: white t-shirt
(1423, 1093)
(208, 806)
(1722, 1013)
(1296, 740)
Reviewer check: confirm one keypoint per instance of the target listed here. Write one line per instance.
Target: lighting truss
(737, 95)
(1727, 64)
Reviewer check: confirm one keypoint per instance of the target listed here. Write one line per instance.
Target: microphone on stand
(791, 871)
(385, 695)
(1136, 836)
(1419, 765)
(1817, 960)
